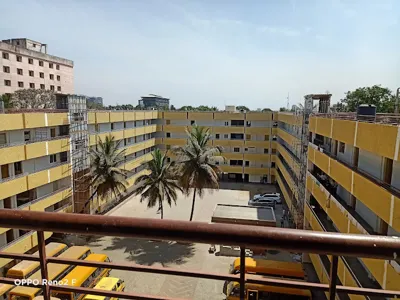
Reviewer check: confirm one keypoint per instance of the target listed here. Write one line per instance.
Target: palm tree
(105, 176)
(160, 185)
(197, 163)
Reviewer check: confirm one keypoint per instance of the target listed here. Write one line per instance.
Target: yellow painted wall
(91, 117)
(175, 115)
(258, 116)
(344, 130)
(256, 171)
(102, 117)
(200, 116)
(116, 116)
(56, 119)
(11, 122)
(129, 116)
(33, 120)
(12, 154)
(289, 118)
(228, 116)
(13, 187)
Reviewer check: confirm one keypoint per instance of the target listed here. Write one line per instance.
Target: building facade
(25, 64)
(349, 175)
(153, 102)
(95, 100)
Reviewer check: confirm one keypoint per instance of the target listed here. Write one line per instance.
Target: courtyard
(172, 254)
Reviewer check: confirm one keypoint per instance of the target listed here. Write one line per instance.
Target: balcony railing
(334, 244)
(352, 116)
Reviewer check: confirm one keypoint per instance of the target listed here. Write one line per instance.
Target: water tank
(366, 112)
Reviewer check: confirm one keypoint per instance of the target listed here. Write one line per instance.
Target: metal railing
(384, 118)
(378, 247)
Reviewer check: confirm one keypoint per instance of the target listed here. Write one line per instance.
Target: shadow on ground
(146, 252)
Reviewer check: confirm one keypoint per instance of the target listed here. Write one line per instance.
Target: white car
(262, 202)
(274, 196)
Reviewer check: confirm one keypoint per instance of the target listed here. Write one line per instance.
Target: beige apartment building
(25, 64)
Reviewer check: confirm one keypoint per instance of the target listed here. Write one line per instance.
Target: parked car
(274, 196)
(262, 202)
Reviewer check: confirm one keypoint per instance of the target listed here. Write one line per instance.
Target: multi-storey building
(25, 64)
(152, 101)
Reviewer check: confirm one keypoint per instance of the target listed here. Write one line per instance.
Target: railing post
(333, 277)
(242, 272)
(43, 264)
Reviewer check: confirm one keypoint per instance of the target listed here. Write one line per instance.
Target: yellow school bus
(261, 292)
(26, 268)
(82, 276)
(55, 272)
(107, 284)
(269, 267)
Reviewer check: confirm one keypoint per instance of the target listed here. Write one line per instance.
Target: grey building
(153, 101)
(94, 100)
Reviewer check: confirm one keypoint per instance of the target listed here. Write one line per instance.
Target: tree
(283, 109)
(382, 98)
(172, 107)
(197, 163)
(160, 185)
(105, 176)
(187, 108)
(266, 109)
(92, 105)
(6, 98)
(32, 98)
(241, 107)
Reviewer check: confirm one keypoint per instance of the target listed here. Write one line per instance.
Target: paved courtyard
(171, 254)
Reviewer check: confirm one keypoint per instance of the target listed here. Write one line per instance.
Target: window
(64, 130)
(266, 137)
(237, 123)
(52, 87)
(34, 45)
(192, 122)
(272, 164)
(20, 72)
(53, 158)
(274, 138)
(63, 156)
(226, 136)
(112, 126)
(52, 76)
(27, 136)
(168, 134)
(41, 75)
(50, 65)
(247, 163)
(58, 67)
(3, 139)
(32, 85)
(20, 84)
(217, 136)
(273, 151)
(58, 77)
(19, 58)
(124, 124)
(31, 73)
(248, 123)
(42, 87)
(52, 132)
(6, 69)
(6, 55)
(59, 88)
(265, 151)
(168, 122)
(18, 168)
(246, 149)
(236, 149)
(41, 64)
(248, 136)
(342, 147)
(30, 61)
(226, 123)
(96, 128)
(7, 82)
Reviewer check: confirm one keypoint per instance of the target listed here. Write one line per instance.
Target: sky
(216, 52)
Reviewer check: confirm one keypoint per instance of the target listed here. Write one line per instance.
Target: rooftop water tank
(366, 112)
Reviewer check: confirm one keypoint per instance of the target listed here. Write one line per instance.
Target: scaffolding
(79, 145)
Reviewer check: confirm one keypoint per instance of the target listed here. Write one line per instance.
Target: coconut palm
(160, 185)
(105, 177)
(197, 163)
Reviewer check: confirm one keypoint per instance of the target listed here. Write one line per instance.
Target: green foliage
(197, 163)
(93, 105)
(241, 107)
(199, 108)
(172, 107)
(6, 98)
(382, 98)
(121, 107)
(266, 109)
(105, 176)
(160, 185)
(283, 109)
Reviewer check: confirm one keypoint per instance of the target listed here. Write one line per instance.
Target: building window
(342, 147)
(3, 139)
(247, 163)
(59, 88)
(6, 69)
(226, 123)
(58, 67)
(63, 156)
(34, 45)
(248, 136)
(236, 149)
(27, 136)
(31, 73)
(41, 75)
(20, 72)
(58, 77)
(265, 151)
(41, 64)
(50, 65)
(167, 122)
(226, 136)
(42, 87)
(112, 126)
(20, 84)
(52, 76)
(248, 123)
(192, 122)
(266, 137)
(19, 58)
(6, 55)
(32, 85)
(53, 158)
(168, 134)
(52, 132)
(273, 151)
(64, 130)
(217, 136)
(7, 82)
(272, 164)
(30, 61)
(52, 87)
(246, 149)
(18, 168)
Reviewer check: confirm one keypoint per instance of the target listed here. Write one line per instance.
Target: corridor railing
(335, 244)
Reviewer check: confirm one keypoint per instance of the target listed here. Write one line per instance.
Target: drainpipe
(396, 107)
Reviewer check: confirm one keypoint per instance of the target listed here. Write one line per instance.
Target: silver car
(262, 202)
